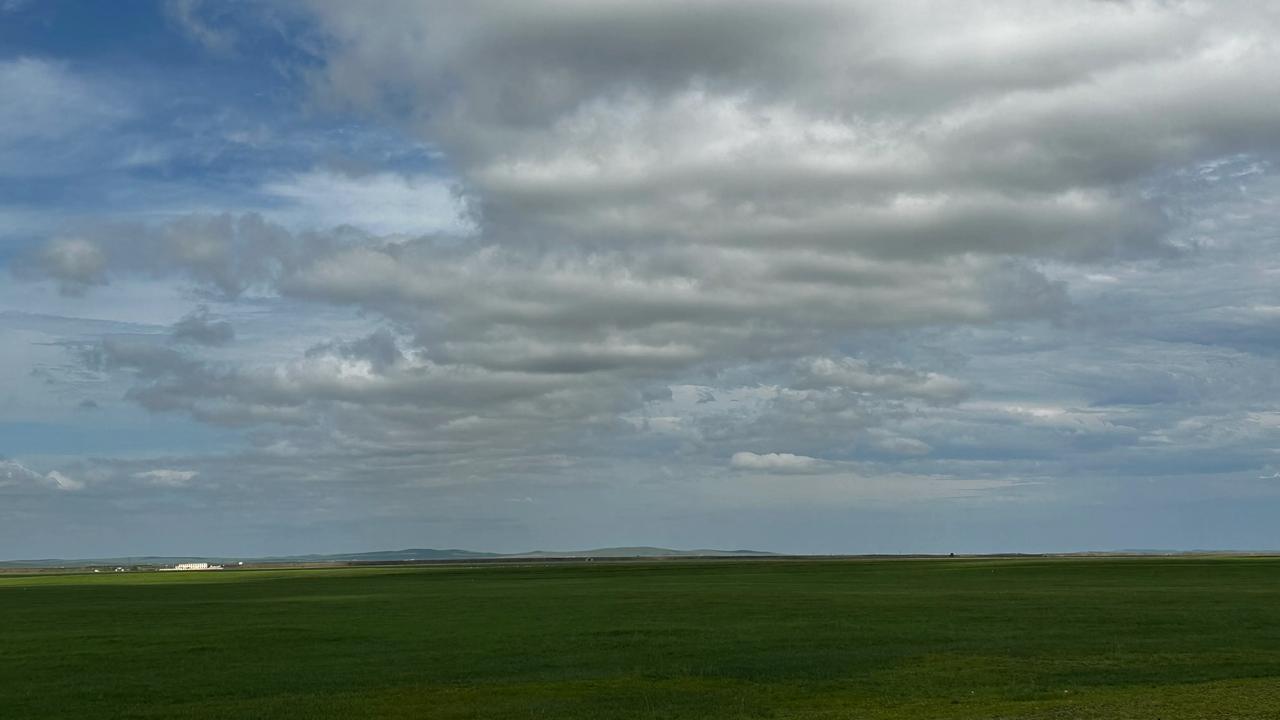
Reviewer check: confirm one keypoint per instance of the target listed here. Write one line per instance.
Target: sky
(809, 277)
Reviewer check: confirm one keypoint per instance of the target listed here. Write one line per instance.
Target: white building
(192, 566)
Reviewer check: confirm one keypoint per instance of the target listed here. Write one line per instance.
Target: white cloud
(167, 477)
(897, 129)
(76, 262)
(60, 481)
(902, 445)
(859, 376)
(50, 115)
(382, 203)
(14, 473)
(187, 15)
(780, 463)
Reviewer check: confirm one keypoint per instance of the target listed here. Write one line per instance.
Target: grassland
(1087, 638)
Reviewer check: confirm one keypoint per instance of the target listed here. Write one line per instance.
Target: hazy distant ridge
(637, 552)
(406, 555)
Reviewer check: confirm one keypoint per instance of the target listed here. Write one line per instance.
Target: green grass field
(1086, 638)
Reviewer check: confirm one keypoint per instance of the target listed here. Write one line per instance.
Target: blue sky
(805, 277)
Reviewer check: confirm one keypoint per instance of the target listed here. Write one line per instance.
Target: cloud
(778, 463)
(859, 376)
(48, 101)
(565, 311)
(187, 15)
(902, 445)
(881, 130)
(381, 203)
(222, 254)
(167, 477)
(845, 491)
(76, 263)
(50, 116)
(201, 328)
(586, 252)
(380, 349)
(60, 481)
(13, 473)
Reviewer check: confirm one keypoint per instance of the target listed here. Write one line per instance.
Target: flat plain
(957, 638)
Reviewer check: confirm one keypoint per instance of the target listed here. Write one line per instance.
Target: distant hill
(625, 552)
(407, 555)
(381, 556)
(116, 561)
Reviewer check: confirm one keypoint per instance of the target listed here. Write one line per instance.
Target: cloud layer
(629, 261)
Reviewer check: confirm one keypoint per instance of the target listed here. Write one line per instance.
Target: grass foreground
(1055, 638)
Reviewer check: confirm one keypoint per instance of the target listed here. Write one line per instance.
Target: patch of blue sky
(91, 30)
(170, 126)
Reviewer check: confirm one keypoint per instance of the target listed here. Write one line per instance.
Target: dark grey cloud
(222, 254)
(380, 350)
(202, 328)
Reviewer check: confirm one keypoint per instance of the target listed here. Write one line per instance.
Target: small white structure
(192, 566)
